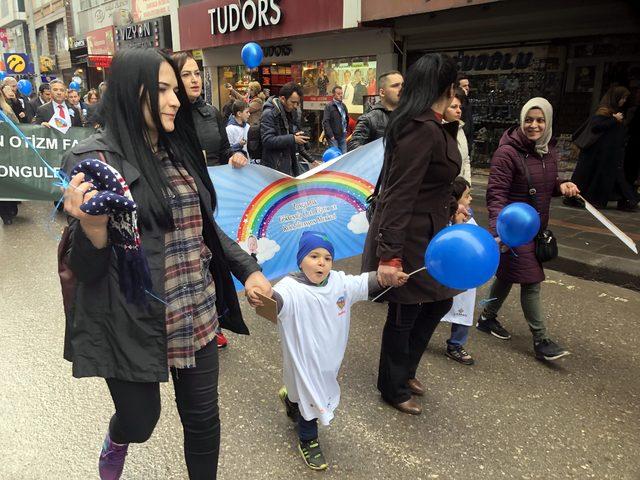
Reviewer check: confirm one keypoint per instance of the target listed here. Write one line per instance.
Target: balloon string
(389, 288)
(24, 138)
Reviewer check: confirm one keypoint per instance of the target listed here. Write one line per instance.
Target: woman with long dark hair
(152, 284)
(421, 161)
(209, 124)
(599, 172)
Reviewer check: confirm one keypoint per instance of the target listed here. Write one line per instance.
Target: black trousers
(138, 409)
(405, 337)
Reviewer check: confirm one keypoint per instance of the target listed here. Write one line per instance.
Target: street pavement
(509, 416)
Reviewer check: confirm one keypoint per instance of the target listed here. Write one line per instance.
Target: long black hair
(133, 80)
(426, 81)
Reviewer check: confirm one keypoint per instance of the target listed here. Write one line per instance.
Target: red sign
(103, 61)
(213, 23)
(100, 42)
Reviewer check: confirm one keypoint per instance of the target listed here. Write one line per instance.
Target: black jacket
(107, 337)
(332, 120)
(34, 104)
(45, 112)
(212, 132)
(277, 130)
(370, 126)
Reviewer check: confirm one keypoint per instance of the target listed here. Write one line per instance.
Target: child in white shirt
(461, 314)
(238, 127)
(313, 318)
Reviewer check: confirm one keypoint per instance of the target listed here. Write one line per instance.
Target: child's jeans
(459, 335)
(307, 429)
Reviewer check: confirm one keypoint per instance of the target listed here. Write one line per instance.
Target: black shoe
(549, 350)
(312, 454)
(492, 326)
(290, 407)
(626, 206)
(7, 220)
(459, 354)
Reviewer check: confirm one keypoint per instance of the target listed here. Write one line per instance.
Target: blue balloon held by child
(74, 86)
(517, 224)
(251, 54)
(462, 256)
(25, 87)
(331, 153)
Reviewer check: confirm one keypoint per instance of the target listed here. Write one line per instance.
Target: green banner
(23, 175)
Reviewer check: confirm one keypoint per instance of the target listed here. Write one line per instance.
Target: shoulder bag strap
(531, 189)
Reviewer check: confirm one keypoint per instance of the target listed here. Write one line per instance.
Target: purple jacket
(508, 184)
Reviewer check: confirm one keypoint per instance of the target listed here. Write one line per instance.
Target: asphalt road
(509, 416)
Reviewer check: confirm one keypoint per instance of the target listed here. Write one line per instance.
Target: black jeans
(404, 339)
(307, 429)
(138, 409)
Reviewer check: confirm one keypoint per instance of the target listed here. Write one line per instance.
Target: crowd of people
(152, 289)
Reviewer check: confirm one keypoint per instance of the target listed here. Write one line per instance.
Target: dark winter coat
(332, 121)
(278, 144)
(414, 205)
(508, 184)
(212, 133)
(370, 127)
(601, 163)
(106, 336)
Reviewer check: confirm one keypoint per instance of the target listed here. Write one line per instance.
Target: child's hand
(461, 215)
(402, 278)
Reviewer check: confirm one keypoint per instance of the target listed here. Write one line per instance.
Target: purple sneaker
(111, 459)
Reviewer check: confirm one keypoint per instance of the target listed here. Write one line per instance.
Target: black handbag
(546, 244)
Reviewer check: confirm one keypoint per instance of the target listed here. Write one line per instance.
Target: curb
(601, 268)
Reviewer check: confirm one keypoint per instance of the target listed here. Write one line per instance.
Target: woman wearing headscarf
(528, 146)
(599, 172)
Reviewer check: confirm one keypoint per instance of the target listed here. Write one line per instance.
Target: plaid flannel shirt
(190, 294)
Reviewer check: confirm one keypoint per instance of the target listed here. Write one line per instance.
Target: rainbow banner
(266, 211)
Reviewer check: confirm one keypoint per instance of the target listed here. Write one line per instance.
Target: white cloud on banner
(359, 223)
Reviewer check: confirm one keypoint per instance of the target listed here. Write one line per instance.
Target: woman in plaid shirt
(186, 259)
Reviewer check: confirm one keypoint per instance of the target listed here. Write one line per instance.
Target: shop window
(59, 36)
(41, 40)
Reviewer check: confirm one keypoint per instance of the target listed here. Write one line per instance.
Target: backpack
(254, 141)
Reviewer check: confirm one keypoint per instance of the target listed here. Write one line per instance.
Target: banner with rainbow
(266, 211)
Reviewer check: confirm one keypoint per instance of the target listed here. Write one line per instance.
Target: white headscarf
(542, 144)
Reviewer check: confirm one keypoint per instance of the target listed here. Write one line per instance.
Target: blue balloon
(331, 153)
(462, 256)
(25, 87)
(252, 54)
(3, 75)
(74, 86)
(517, 224)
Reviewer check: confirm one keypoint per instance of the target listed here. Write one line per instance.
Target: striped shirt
(191, 317)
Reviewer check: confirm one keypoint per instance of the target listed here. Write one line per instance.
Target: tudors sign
(252, 14)
(215, 23)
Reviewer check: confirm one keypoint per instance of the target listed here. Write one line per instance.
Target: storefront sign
(103, 15)
(252, 14)
(278, 50)
(77, 43)
(147, 9)
(103, 61)
(505, 60)
(18, 63)
(213, 23)
(101, 42)
(155, 33)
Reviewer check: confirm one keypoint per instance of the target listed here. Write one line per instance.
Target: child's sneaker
(221, 339)
(459, 354)
(291, 408)
(312, 454)
(111, 460)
